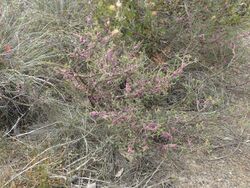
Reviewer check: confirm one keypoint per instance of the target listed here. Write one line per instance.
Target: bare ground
(226, 162)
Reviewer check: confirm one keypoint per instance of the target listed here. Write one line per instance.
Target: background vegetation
(100, 81)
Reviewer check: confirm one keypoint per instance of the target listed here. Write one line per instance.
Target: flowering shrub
(128, 59)
(116, 73)
(135, 53)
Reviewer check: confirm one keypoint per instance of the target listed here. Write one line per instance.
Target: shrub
(154, 54)
(124, 57)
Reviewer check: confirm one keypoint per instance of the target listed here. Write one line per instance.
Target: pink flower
(7, 50)
(169, 146)
(128, 88)
(130, 149)
(94, 114)
(179, 71)
(137, 46)
(173, 146)
(109, 55)
(189, 142)
(89, 20)
(173, 129)
(151, 127)
(167, 136)
(82, 40)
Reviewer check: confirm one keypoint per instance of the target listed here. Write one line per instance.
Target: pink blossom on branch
(130, 149)
(179, 71)
(94, 114)
(152, 127)
(166, 147)
(167, 136)
(128, 88)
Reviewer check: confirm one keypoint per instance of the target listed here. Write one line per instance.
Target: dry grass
(48, 138)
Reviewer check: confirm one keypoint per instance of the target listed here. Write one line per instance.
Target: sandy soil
(227, 165)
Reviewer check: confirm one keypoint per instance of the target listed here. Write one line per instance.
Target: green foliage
(154, 22)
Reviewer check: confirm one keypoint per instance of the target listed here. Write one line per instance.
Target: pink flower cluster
(179, 71)
(151, 127)
(115, 117)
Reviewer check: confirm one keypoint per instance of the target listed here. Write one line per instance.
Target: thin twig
(226, 156)
(52, 147)
(232, 153)
(161, 183)
(95, 180)
(156, 170)
(16, 124)
(30, 132)
(23, 171)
